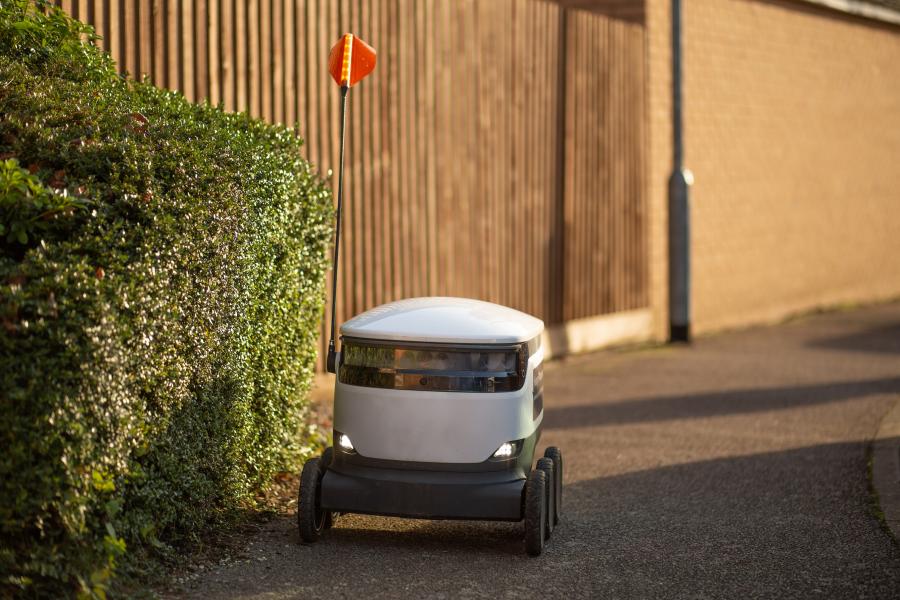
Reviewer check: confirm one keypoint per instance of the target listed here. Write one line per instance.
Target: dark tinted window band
(431, 358)
(437, 368)
(432, 382)
(538, 391)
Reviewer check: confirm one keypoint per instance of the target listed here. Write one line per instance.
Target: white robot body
(439, 380)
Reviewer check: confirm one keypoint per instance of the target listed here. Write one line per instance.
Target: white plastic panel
(452, 427)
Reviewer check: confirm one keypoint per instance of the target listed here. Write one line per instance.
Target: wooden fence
(497, 151)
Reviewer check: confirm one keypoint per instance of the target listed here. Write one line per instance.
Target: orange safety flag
(350, 60)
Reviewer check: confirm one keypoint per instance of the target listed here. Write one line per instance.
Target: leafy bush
(162, 272)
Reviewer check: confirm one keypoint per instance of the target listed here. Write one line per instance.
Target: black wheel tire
(535, 512)
(310, 516)
(555, 454)
(546, 465)
(324, 463)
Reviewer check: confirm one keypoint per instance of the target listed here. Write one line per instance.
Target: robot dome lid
(444, 320)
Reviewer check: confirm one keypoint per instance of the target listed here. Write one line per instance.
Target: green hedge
(162, 273)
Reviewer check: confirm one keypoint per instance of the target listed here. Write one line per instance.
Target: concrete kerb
(886, 468)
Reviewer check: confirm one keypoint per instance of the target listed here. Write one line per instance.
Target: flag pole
(332, 353)
(350, 60)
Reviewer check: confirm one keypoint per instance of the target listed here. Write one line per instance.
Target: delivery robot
(438, 407)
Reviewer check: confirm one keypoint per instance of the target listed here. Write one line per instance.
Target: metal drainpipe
(679, 204)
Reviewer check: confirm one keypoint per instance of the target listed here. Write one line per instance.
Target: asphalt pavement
(733, 468)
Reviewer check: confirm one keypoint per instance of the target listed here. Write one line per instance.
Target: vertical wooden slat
(254, 64)
(597, 194)
(439, 125)
(288, 35)
(159, 43)
(394, 234)
(532, 125)
(99, 23)
(422, 214)
(419, 193)
(201, 49)
(591, 181)
(569, 258)
(626, 104)
(642, 238)
(228, 62)
(510, 198)
(300, 69)
(213, 57)
(130, 47)
(555, 265)
(531, 122)
(390, 138)
(98, 20)
(186, 26)
(372, 15)
(241, 56)
(369, 171)
(447, 172)
(418, 215)
(418, 202)
(144, 38)
(354, 178)
(428, 139)
(265, 55)
(487, 81)
(400, 57)
(173, 46)
(114, 28)
(385, 145)
(276, 60)
(618, 227)
(307, 89)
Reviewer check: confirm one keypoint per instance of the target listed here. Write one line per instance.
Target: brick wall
(792, 130)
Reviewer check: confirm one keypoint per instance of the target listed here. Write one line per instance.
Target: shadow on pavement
(483, 538)
(714, 404)
(784, 524)
(880, 340)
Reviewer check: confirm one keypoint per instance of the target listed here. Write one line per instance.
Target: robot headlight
(507, 450)
(346, 444)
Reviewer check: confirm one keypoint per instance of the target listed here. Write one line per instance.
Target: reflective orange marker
(350, 60)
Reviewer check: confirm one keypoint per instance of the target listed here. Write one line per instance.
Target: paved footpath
(734, 468)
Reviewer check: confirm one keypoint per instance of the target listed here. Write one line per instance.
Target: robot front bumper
(492, 490)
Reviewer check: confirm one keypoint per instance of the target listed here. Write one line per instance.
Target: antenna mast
(350, 60)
